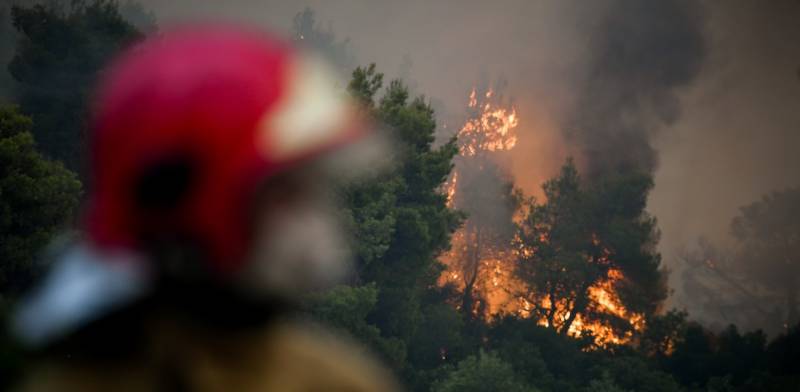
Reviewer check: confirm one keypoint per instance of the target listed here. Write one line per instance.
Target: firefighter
(208, 216)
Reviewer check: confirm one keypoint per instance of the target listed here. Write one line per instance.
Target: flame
(603, 299)
(491, 128)
(450, 189)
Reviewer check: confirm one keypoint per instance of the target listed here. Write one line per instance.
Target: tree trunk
(580, 303)
(470, 273)
(552, 311)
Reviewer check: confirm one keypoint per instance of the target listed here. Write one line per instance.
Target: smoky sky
(704, 94)
(639, 55)
(739, 134)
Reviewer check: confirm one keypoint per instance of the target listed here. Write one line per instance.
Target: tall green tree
(484, 372)
(401, 220)
(346, 308)
(37, 199)
(60, 50)
(581, 233)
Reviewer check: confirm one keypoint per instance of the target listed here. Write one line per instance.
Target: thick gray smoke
(640, 54)
(737, 140)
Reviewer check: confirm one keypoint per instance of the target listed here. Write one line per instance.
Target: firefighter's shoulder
(286, 356)
(316, 359)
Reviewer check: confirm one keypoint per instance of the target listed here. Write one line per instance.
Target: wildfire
(450, 188)
(606, 300)
(492, 129)
(488, 272)
(603, 300)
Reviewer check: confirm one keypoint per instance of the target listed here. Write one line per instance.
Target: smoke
(705, 95)
(738, 137)
(640, 55)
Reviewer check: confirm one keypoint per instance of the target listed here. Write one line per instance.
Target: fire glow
(491, 130)
(487, 273)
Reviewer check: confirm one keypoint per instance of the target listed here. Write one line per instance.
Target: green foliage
(401, 223)
(440, 339)
(37, 197)
(369, 216)
(485, 372)
(346, 308)
(59, 53)
(633, 373)
(422, 222)
(662, 333)
(540, 356)
(364, 84)
(604, 384)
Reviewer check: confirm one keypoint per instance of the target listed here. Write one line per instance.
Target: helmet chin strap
(83, 285)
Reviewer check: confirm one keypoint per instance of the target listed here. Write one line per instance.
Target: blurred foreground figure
(208, 217)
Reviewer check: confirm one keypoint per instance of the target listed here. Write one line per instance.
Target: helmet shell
(213, 111)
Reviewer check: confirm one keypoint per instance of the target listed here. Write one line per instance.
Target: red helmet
(204, 115)
(187, 125)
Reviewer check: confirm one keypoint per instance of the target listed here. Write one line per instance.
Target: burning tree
(481, 249)
(583, 262)
(587, 257)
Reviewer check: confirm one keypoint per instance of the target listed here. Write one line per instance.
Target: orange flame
(492, 129)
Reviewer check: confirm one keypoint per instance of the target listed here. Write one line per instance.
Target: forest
(462, 281)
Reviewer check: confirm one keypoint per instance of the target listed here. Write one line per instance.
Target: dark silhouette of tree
(59, 53)
(768, 232)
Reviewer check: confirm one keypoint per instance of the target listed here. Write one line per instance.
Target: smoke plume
(640, 55)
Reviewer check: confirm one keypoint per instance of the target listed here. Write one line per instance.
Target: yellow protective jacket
(175, 355)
